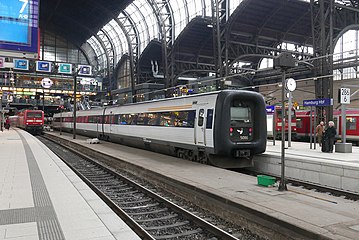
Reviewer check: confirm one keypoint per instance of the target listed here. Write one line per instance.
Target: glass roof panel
(99, 52)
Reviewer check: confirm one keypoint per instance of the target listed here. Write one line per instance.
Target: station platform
(334, 170)
(312, 214)
(41, 198)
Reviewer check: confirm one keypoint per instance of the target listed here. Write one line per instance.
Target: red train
(352, 124)
(274, 120)
(30, 120)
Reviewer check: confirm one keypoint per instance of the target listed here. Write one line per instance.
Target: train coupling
(242, 153)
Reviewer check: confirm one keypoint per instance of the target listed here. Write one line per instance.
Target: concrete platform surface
(334, 170)
(41, 198)
(327, 216)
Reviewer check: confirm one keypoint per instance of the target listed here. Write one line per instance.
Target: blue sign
(270, 109)
(318, 102)
(21, 64)
(42, 66)
(85, 70)
(19, 25)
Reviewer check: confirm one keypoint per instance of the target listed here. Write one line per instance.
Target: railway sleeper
(134, 202)
(157, 219)
(149, 212)
(187, 233)
(167, 226)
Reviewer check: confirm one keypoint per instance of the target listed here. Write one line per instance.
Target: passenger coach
(224, 128)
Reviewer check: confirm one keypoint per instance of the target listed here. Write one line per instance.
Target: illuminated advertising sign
(2, 61)
(21, 64)
(19, 25)
(85, 70)
(42, 66)
(65, 68)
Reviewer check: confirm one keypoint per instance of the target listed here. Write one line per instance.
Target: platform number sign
(344, 95)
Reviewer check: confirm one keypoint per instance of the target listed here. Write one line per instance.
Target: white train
(223, 128)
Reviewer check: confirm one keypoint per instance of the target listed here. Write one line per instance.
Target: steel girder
(220, 16)
(128, 27)
(164, 14)
(111, 52)
(329, 21)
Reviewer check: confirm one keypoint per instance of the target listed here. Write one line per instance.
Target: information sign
(85, 70)
(270, 109)
(21, 64)
(344, 95)
(42, 66)
(65, 68)
(19, 25)
(46, 83)
(318, 102)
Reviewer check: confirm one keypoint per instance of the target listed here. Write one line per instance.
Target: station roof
(78, 20)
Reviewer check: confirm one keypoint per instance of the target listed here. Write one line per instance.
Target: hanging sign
(42, 66)
(2, 62)
(65, 68)
(85, 70)
(21, 64)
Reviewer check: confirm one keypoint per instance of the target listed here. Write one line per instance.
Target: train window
(34, 115)
(299, 123)
(351, 123)
(153, 119)
(209, 118)
(200, 117)
(240, 114)
(279, 113)
(142, 119)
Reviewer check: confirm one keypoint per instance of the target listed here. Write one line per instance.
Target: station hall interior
(133, 51)
(179, 119)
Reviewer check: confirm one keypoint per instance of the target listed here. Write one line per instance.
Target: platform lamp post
(284, 62)
(75, 104)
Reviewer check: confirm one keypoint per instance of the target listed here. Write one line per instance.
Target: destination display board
(19, 25)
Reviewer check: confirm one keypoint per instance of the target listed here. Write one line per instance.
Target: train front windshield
(241, 126)
(34, 115)
(241, 114)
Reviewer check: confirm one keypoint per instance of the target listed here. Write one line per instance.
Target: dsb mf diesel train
(224, 128)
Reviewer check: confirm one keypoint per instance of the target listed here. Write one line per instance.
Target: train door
(200, 128)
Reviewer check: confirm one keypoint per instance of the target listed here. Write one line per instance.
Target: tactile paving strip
(43, 213)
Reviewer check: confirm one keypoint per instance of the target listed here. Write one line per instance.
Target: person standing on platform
(331, 132)
(319, 132)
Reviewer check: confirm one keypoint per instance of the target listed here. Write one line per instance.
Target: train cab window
(200, 117)
(209, 118)
(240, 115)
(351, 123)
(34, 115)
(299, 123)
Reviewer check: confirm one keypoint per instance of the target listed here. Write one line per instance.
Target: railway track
(148, 214)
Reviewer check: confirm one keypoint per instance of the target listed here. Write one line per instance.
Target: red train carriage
(31, 121)
(352, 124)
(276, 116)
